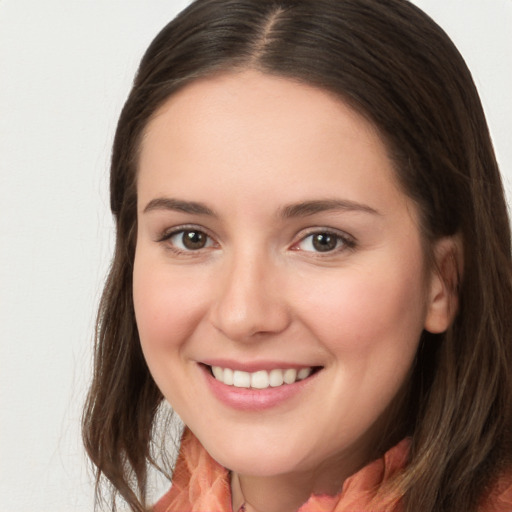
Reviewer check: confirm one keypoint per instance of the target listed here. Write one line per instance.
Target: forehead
(240, 95)
(253, 130)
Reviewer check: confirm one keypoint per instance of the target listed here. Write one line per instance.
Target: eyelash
(343, 241)
(181, 230)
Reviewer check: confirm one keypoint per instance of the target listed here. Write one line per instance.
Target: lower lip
(250, 399)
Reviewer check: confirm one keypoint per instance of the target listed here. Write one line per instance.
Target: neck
(288, 492)
(260, 494)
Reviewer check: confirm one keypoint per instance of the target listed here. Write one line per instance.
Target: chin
(261, 465)
(261, 459)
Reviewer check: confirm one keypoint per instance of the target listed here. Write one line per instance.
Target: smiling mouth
(261, 379)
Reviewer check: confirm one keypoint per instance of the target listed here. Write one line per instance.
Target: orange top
(202, 485)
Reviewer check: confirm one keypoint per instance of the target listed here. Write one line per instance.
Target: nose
(250, 300)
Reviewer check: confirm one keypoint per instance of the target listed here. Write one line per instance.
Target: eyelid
(167, 234)
(348, 241)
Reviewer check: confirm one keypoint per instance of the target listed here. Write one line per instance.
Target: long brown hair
(395, 66)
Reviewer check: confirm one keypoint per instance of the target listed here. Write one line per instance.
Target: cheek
(167, 305)
(370, 311)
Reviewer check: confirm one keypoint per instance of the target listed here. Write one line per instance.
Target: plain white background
(65, 70)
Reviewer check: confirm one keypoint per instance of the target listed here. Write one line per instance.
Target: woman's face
(273, 245)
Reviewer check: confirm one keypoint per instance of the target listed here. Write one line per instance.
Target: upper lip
(254, 366)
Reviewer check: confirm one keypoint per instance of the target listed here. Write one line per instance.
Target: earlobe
(443, 298)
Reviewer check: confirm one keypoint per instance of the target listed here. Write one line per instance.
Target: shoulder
(499, 499)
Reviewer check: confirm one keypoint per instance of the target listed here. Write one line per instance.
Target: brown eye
(188, 240)
(323, 242)
(194, 240)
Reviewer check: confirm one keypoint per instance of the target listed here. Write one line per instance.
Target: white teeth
(276, 378)
(260, 379)
(218, 373)
(228, 376)
(304, 373)
(241, 379)
(290, 375)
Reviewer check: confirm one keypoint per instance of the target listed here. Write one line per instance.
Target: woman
(312, 266)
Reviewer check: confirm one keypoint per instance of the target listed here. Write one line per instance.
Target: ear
(443, 291)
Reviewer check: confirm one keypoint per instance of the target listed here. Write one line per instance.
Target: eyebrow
(306, 208)
(178, 205)
(300, 209)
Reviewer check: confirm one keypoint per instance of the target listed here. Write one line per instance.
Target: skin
(247, 146)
